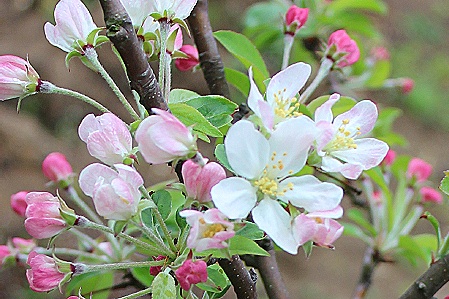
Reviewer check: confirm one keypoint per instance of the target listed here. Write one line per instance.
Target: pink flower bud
(56, 168)
(163, 138)
(107, 137)
(18, 203)
(346, 51)
(419, 169)
(23, 245)
(207, 230)
(295, 18)
(389, 158)
(43, 219)
(4, 253)
(191, 272)
(430, 195)
(115, 193)
(44, 274)
(17, 77)
(155, 270)
(199, 180)
(407, 85)
(192, 60)
(380, 53)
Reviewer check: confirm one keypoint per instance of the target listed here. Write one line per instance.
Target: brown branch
(121, 33)
(370, 260)
(430, 282)
(244, 286)
(210, 59)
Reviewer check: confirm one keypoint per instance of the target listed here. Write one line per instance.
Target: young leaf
(250, 231)
(376, 6)
(216, 280)
(142, 274)
(360, 218)
(216, 109)
(444, 185)
(242, 245)
(162, 199)
(181, 95)
(239, 80)
(164, 286)
(220, 154)
(91, 282)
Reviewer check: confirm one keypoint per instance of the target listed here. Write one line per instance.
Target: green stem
(82, 205)
(288, 43)
(67, 251)
(83, 268)
(164, 62)
(324, 70)
(92, 56)
(160, 220)
(153, 237)
(50, 88)
(183, 239)
(82, 236)
(138, 294)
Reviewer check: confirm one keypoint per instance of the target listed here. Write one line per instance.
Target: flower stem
(92, 56)
(138, 294)
(50, 88)
(83, 268)
(323, 71)
(288, 43)
(82, 205)
(82, 236)
(164, 60)
(67, 251)
(153, 237)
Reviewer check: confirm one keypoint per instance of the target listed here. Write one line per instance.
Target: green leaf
(444, 185)
(376, 6)
(250, 231)
(181, 95)
(216, 109)
(162, 199)
(91, 282)
(307, 247)
(164, 286)
(217, 280)
(411, 249)
(360, 218)
(220, 154)
(342, 105)
(189, 116)
(180, 221)
(142, 274)
(239, 80)
(379, 73)
(146, 217)
(242, 245)
(356, 232)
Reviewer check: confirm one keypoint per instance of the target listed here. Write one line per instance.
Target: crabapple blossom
(107, 137)
(73, 26)
(429, 194)
(115, 193)
(199, 179)
(281, 102)
(342, 49)
(318, 227)
(419, 169)
(340, 144)
(191, 61)
(174, 9)
(191, 272)
(44, 274)
(43, 216)
(295, 18)
(266, 169)
(163, 138)
(18, 203)
(138, 10)
(17, 77)
(56, 168)
(208, 230)
(155, 270)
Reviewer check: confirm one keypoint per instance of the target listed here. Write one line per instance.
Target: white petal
(369, 153)
(254, 94)
(361, 117)
(247, 149)
(348, 170)
(276, 222)
(335, 213)
(234, 197)
(311, 194)
(324, 112)
(89, 175)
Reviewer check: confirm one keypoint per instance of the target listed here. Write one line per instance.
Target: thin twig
(122, 35)
(370, 260)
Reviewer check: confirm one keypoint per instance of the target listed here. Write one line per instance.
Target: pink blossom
(346, 51)
(23, 245)
(115, 193)
(295, 18)
(18, 203)
(192, 60)
(191, 272)
(419, 169)
(155, 270)
(73, 26)
(407, 85)
(318, 227)
(44, 274)
(107, 137)
(17, 77)
(389, 158)
(430, 195)
(380, 53)
(43, 219)
(163, 138)
(56, 167)
(208, 230)
(199, 179)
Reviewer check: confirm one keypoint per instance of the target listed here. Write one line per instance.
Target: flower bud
(191, 272)
(429, 194)
(380, 53)
(419, 169)
(57, 169)
(389, 157)
(155, 270)
(23, 245)
(163, 138)
(5, 252)
(295, 18)
(17, 77)
(191, 61)
(342, 49)
(407, 85)
(18, 203)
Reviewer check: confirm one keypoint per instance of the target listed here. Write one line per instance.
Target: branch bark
(121, 33)
(430, 281)
(370, 261)
(244, 286)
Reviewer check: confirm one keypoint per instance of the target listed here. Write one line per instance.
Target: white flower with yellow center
(281, 101)
(265, 168)
(340, 144)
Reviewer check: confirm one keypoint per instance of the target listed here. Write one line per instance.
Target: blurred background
(414, 31)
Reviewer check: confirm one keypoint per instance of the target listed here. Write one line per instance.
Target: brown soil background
(26, 139)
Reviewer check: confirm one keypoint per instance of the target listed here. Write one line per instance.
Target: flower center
(285, 107)
(213, 229)
(344, 139)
